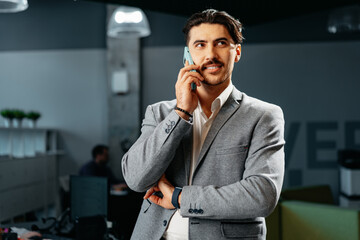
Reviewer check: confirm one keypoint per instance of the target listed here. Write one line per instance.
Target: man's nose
(211, 53)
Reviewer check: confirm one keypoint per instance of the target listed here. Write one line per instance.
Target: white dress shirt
(178, 228)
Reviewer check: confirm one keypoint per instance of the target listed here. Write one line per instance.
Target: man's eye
(221, 43)
(199, 45)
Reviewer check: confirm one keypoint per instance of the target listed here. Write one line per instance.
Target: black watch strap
(175, 197)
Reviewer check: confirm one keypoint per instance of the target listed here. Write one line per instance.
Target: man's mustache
(212, 61)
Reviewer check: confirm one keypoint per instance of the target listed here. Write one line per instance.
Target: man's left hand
(166, 188)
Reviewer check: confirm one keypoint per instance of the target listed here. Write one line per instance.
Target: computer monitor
(88, 196)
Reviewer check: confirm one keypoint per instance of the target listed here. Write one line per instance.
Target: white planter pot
(32, 123)
(8, 122)
(17, 123)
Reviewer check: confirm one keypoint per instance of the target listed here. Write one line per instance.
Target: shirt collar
(220, 100)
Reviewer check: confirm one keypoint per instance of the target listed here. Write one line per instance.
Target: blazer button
(201, 211)
(164, 222)
(191, 210)
(196, 211)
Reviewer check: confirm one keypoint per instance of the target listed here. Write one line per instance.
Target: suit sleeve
(256, 195)
(152, 153)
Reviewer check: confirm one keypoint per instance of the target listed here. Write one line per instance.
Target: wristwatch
(175, 197)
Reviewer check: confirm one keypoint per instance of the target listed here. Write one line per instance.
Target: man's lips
(212, 67)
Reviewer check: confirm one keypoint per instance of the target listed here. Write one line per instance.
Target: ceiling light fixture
(11, 6)
(128, 22)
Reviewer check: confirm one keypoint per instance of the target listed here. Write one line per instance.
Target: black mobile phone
(187, 57)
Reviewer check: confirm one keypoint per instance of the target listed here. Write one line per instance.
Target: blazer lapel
(227, 110)
(187, 150)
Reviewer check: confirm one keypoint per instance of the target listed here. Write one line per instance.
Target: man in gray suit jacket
(212, 160)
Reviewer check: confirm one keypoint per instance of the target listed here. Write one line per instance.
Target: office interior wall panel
(68, 88)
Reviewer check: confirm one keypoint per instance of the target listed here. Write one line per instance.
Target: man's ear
(238, 53)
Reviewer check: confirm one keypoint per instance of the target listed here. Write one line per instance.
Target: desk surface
(27, 226)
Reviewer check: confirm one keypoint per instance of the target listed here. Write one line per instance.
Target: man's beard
(205, 81)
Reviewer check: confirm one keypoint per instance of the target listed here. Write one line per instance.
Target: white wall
(68, 87)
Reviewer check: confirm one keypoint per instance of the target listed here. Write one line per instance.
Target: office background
(53, 59)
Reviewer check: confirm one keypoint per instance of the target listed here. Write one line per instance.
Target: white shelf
(26, 142)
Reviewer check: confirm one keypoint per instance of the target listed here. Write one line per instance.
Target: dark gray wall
(166, 30)
(316, 84)
(54, 24)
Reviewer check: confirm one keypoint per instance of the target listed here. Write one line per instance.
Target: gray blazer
(237, 179)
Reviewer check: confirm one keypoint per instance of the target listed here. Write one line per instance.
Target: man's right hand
(186, 98)
(167, 190)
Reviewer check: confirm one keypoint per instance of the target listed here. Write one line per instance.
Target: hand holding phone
(185, 87)
(187, 57)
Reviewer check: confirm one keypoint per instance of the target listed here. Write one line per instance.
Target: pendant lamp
(11, 6)
(128, 22)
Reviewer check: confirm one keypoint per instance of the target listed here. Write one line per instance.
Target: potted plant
(33, 117)
(18, 117)
(8, 115)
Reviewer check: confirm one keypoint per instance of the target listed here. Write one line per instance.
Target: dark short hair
(213, 16)
(98, 149)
